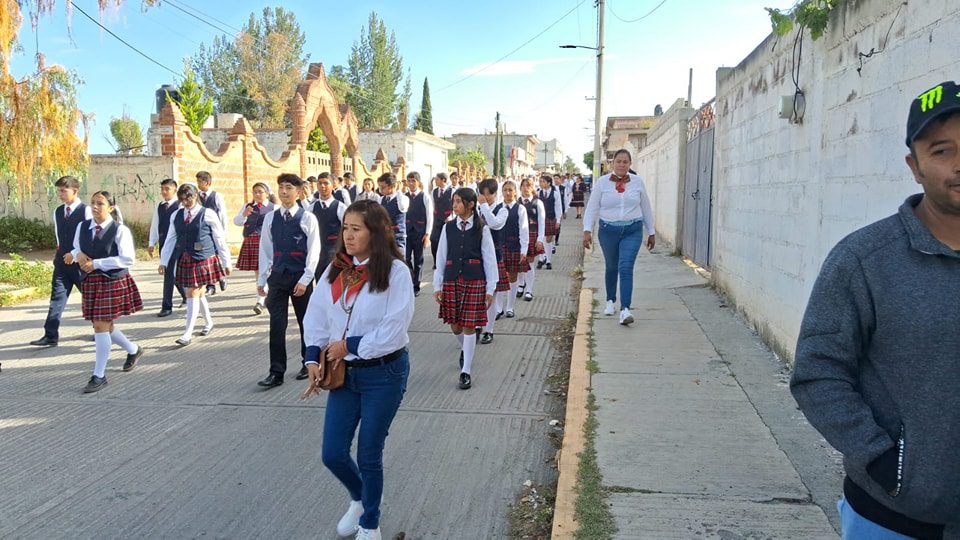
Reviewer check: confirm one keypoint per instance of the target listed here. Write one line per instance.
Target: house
(421, 151)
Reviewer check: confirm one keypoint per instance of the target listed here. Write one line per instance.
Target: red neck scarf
(351, 277)
(621, 181)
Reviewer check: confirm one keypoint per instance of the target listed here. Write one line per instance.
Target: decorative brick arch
(315, 103)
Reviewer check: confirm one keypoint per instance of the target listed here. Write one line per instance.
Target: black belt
(383, 360)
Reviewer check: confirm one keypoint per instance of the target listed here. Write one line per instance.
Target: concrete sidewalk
(698, 435)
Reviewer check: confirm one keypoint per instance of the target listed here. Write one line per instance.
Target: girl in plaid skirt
(197, 232)
(104, 250)
(553, 207)
(466, 276)
(516, 242)
(251, 219)
(536, 225)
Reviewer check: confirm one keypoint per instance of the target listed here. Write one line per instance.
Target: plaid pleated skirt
(550, 227)
(464, 302)
(532, 250)
(511, 260)
(249, 258)
(192, 273)
(106, 299)
(503, 280)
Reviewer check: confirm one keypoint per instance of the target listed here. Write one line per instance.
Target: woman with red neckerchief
(620, 202)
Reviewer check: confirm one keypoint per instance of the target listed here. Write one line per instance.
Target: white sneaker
(350, 521)
(610, 309)
(368, 534)
(625, 317)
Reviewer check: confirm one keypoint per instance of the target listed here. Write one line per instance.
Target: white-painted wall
(784, 194)
(661, 165)
(427, 156)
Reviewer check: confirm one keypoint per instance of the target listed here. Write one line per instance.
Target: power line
(204, 21)
(522, 45)
(638, 19)
(195, 10)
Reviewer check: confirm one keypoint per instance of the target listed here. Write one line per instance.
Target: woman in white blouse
(360, 310)
(622, 205)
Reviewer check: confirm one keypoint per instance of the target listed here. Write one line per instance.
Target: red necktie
(96, 231)
(66, 212)
(463, 225)
(186, 220)
(323, 205)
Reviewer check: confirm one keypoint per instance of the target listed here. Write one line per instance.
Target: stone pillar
(171, 128)
(299, 134)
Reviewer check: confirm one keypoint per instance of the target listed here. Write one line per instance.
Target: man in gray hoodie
(878, 357)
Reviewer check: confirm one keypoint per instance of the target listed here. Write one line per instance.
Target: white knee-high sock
(549, 252)
(261, 299)
(529, 277)
(208, 320)
(191, 317)
(491, 317)
(512, 295)
(498, 300)
(469, 347)
(459, 338)
(102, 340)
(122, 341)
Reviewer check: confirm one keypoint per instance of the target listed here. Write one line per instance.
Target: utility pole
(598, 119)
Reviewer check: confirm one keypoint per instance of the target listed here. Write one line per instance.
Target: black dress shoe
(540, 264)
(132, 359)
(477, 333)
(487, 338)
(520, 290)
(271, 381)
(44, 342)
(182, 342)
(549, 266)
(211, 290)
(461, 359)
(554, 250)
(95, 384)
(465, 382)
(499, 316)
(257, 308)
(416, 292)
(510, 315)
(165, 313)
(183, 302)
(223, 285)
(303, 374)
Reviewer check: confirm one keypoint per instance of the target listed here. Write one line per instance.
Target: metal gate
(698, 187)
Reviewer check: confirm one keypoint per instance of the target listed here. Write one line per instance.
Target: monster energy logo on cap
(933, 103)
(931, 98)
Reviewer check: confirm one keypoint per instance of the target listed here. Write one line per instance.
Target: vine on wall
(812, 14)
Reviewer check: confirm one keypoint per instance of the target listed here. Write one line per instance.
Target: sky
(539, 89)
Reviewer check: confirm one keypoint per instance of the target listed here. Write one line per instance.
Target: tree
(127, 134)
(195, 106)
(403, 107)
(375, 68)
(425, 117)
(496, 148)
(473, 157)
(588, 159)
(256, 73)
(569, 167)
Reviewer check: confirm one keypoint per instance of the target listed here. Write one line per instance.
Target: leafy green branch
(812, 14)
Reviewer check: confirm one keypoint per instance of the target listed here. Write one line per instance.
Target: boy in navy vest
(442, 199)
(66, 218)
(289, 251)
(159, 227)
(350, 186)
(419, 226)
(329, 213)
(397, 205)
(214, 201)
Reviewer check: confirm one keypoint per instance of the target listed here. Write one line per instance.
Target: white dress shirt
(124, 240)
(557, 204)
(541, 220)
(209, 216)
(346, 195)
(428, 204)
(87, 214)
(240, 219)
(309, 226)
(379, 322)
(222, 213)
(155, 223)
(368, 196)
(609, 205)
(488, 251)
(524, 224)
(402, 200)
(495, 221)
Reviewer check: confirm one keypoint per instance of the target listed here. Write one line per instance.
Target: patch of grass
(19, 274)
(19, 234)
(140, 231)
(593, 515)
(532, 515)
(577, 273)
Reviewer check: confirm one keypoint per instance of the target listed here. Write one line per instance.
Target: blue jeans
(369, 397)
(65, 278)
(620, 245)
(853, 526)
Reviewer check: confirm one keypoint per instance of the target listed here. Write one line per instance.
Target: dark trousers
(326, 257)
(279, 297)
(170, 281)
(435, 242)
(415, 256)
(65, 278)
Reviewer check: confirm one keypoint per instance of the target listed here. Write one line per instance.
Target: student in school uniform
(339, 193)
(214, 201)
(289, 251)
(197, 234)
(310, 190)
(466, 277)
(360, 312)
(537, 227)
(368, 191)
(103, 248)
(551, 197)
(350, 186)
(66, 218)
(159, 227)
(578, 192)
(516, 242)
(250, 218)
(561, 183)
(419, 227)
(442, 201)
(329, 213)
(494, 215)
(397, 205)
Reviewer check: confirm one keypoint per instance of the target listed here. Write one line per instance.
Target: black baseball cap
(934, 103)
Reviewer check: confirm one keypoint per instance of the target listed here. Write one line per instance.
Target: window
(409, 151)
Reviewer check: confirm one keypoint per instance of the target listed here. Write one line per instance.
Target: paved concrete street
(698, 434)
(187, 445)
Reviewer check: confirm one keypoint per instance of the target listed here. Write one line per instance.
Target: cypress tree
(425, 119)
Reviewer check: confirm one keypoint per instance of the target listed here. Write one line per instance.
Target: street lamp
(597, 115)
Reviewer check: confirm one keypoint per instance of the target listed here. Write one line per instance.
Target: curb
(18, 295)
(578, 388)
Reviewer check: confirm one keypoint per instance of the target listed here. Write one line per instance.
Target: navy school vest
(211, 202)
(533, 214)
(163, 220)
(417, 215)
(398, 219)
(254, 223)
(563, 197)
(338, 195)
(101, 248)
(329, 222)
(196, 237)
(352, 190)
(67, 230)
(464, 252)
(289, 242)
(442, 207)
(549, 202)
(511, 231)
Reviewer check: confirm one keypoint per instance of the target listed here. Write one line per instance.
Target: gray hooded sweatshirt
(878, 363)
